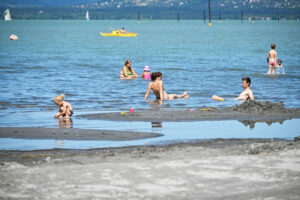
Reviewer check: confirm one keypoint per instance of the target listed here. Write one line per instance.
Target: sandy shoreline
(214, 169)
(206, 169)
(72, 134)
(247, 113)
(250, 110)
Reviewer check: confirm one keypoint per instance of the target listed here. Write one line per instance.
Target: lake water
(71, 57)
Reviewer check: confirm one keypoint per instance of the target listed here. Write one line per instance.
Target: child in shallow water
(156, 85)
(279, 69)
(65, 108)
(146, 74)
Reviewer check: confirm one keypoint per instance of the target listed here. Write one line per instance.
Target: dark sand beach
(250, 110)
(214, 169)
(205, 169)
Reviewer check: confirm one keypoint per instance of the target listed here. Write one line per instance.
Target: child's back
(272, 57)
(146, 74)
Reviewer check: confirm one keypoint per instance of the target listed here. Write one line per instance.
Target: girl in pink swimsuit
(146, 74)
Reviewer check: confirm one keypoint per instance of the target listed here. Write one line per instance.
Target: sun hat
(146, 68)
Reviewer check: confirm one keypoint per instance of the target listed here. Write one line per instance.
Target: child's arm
(148, 92)
(57, 115)
(135, 75)
(250, 94)
(63, 109)
(142, 76)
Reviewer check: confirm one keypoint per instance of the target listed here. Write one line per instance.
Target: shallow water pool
(172, 131)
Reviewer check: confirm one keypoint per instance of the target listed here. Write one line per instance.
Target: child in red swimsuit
(272, 58)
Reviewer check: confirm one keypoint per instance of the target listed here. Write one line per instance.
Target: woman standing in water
(156, 85)
(127, 72)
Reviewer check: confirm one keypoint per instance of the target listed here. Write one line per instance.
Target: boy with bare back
(156, 85)
(272, 58)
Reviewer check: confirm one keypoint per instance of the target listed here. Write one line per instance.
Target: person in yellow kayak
(127, 72)
(122, 31)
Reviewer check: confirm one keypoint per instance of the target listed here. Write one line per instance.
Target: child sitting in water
(156, 85)
(127, 72)
(146, 74)
(65, 108)
(279, 68)
(247, 94)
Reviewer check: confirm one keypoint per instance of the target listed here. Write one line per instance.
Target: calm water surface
(70, 57)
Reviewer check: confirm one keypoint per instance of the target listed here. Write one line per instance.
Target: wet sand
(250, 110)
(214, 169)
(72, 134)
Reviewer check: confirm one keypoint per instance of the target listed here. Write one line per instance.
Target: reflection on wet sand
(155, 103)
(156, 124)
(251, 123)
(59, 143)
(65, 122)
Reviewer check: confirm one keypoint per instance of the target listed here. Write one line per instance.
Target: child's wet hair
(127, 62)
(273, 46)
(158, 74)
(247, 79)
(154, 75)
(279, 61)
(59, 97)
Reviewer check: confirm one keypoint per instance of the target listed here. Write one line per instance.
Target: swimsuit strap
(128, 73)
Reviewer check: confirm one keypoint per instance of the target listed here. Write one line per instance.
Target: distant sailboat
(87, 15)
(139, 16)
(7, 15)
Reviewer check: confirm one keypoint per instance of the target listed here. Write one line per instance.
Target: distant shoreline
(147, 13)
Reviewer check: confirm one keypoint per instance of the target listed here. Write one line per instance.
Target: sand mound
(258, 148)
(260, 107)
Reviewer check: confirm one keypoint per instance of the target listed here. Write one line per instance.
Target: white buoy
(13, 37)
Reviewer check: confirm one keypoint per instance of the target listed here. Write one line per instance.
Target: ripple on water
(91, 74)
(36, 67)
(175, 69)
(2, 67)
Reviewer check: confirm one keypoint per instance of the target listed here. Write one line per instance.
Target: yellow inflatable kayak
(116, 34)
